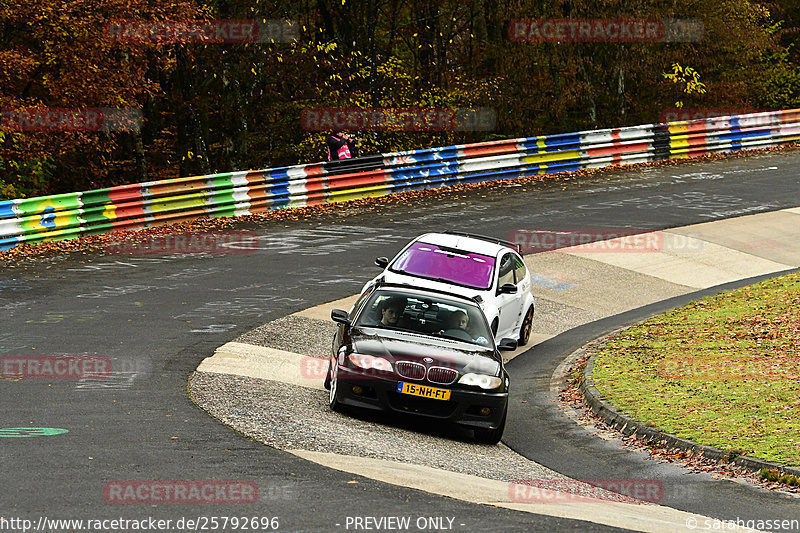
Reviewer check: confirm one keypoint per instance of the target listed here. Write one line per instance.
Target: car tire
(526, 328)
(333, 402)
(327, 383)
(491, 436)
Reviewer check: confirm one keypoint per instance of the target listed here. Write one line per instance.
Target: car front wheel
(327, 382)
(333, 402)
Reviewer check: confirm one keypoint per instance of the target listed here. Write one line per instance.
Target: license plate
(422, 390)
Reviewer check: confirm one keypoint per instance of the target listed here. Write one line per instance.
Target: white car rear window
(431, 262)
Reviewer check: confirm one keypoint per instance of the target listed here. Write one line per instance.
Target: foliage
(778, 82)
(775, 476)
(56, 55)
(687, 78)
(233, 106)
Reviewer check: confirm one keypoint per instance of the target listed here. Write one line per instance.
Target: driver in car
(458, 322)
(391, 311)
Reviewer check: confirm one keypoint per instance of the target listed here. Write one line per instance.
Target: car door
(509, 305)
(522, 279)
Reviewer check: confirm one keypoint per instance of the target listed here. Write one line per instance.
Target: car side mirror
(507, 345)
(382, 261)
(340, 316)
(508, 288)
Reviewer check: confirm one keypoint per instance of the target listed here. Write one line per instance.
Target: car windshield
(425, 315)
(443, 264)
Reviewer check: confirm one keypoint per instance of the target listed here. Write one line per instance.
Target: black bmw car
(420, 352)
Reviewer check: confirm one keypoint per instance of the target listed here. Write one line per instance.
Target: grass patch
(776, 476)
(723, 371)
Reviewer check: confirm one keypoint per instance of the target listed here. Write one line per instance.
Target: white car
(488, 270)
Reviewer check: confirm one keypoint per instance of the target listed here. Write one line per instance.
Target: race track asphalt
(543, 432)
(157, 317)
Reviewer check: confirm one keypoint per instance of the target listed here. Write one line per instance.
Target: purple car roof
(430, 261)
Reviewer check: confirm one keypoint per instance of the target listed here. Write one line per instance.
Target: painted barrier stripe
(244, 192)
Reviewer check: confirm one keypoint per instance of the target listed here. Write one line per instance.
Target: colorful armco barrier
(139, 205)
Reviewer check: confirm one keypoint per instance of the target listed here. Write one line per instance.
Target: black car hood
(402, 346)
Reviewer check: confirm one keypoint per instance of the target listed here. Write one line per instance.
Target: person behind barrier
(340, 146)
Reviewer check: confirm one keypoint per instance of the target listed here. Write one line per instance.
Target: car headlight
(480, 380)
(370, 362)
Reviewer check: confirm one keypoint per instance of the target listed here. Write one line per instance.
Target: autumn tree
(59, 56)
(224, 106)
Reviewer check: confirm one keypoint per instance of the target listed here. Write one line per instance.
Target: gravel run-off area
(288, 417)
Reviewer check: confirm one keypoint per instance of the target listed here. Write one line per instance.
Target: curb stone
(655, 437)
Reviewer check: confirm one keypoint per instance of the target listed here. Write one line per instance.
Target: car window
(443, 264)
(427, 316)
(520, 272)
(506, 273)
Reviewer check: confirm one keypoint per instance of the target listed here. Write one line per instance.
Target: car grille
(410, 370)
(441, 375)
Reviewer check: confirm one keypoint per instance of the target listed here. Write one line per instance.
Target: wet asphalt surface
(156, 317)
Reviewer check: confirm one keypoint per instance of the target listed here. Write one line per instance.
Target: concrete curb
(661, 439)
(636, 516)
